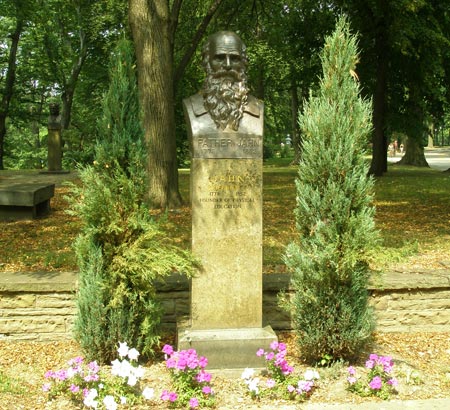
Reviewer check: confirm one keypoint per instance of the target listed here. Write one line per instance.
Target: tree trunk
(379, 139)
(414, 154)
(296, 136)
(150, 26)
(9, 85)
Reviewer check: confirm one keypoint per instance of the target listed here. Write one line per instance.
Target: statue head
(225, 87)
(54, 109)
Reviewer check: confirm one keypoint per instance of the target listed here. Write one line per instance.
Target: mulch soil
(421, 364)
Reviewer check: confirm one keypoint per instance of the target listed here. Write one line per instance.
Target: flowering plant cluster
(281, 381)
(87, 383)
(379, 382)
(191, 382)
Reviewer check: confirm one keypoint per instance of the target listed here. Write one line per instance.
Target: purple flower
(260, 352)
(94, 367)
(370, 364)
(173, 396)
(50, 374)
(351, 380)
(373, 357)
(61, 374)
(393, 382)
(351, 370)
(304, 386)
(193, 403)
(376, 383)
(291, 388)
(74, 388)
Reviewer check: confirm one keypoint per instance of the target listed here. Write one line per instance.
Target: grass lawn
(413, 216)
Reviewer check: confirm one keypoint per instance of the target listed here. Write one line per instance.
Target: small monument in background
(54, 156)
(226, 124)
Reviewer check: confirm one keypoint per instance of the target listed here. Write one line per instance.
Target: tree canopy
(55, 51)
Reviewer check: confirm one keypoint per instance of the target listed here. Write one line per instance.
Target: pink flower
(393, 382)
(167, 349)
(291, 388)
(203, 377)
(173, 396)
(274, 345)
(260, 352)
(193, 403)
(351, 380)
(206, 390)
(171, 363)
(281, 347)
(46, 387)
(203, 362)
(165, 395)
(373, 357)
(271, 383)
(376, 383)
(270, 356)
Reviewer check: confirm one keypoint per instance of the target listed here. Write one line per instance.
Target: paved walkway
(432, 404)
(437, 158)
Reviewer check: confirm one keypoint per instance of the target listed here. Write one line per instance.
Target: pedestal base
(230, 349)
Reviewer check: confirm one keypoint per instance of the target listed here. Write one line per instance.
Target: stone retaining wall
(41, 306)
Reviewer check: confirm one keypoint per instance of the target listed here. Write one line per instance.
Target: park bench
(25, 200)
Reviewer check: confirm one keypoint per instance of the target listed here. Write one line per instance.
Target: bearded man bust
(223, 106)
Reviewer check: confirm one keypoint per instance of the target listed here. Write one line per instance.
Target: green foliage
(121, 250)
(334, 215)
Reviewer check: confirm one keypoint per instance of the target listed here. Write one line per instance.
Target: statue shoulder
(254, 106)
(194, 104)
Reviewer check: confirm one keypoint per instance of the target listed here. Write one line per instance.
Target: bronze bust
(224, 104)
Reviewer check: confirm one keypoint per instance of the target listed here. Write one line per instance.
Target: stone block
(228, 348)
(25, 201)
(17, 300)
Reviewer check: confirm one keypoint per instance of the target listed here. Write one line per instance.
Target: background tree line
(57, 51)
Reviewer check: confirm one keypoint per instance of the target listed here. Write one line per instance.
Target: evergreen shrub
(334, 213)
(121, 249)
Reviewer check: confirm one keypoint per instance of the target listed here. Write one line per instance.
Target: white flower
(110, 403)
(123, 400)
(148, 393)
(133, 354)
(311, 375)
(132, 380)
(253, 385)
(123, 349)
(139, 372)
(89, 399)
(247, 373)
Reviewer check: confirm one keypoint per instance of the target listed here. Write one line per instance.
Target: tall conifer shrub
(334, 213)
(121, 250)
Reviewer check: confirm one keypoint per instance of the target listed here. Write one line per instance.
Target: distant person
(402, 147)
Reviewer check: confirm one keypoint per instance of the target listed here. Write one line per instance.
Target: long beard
(225, 98)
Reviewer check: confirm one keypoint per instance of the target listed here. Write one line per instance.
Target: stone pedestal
(226, 194)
